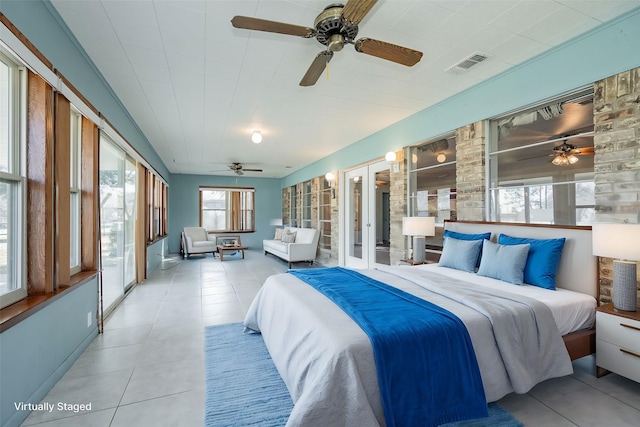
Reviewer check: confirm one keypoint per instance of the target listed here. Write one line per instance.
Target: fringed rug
(244, 388)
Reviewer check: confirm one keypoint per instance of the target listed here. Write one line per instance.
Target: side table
(618, 342)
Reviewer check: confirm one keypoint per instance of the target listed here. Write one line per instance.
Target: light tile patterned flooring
(147, 367)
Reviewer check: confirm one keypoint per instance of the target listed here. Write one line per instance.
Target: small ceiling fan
(334, 27)
(240, 170)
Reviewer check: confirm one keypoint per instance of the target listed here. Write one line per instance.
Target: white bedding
(571, 310)
(327, 363)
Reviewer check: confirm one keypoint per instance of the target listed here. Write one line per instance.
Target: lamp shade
(419, 226)
(620, 241)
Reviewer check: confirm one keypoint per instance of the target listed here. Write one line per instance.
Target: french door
(366, 216)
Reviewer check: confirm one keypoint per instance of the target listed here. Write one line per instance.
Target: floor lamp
(418, 227)
(620, 242)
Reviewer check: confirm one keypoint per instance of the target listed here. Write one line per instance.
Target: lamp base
(418, 249)
(625, 285)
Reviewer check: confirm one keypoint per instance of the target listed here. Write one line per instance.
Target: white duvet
(326, 360)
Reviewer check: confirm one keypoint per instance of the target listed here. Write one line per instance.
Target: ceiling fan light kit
(334, 27)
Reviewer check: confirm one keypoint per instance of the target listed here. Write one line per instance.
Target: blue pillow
(466, 236)
(543, 261)
(503, 262)
(460, 254)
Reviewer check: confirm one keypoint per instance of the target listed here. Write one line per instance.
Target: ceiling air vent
(468, 62)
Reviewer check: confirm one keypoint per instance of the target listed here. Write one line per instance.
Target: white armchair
(195, 240)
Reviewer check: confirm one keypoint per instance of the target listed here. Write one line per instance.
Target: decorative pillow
(466, 236)
(278, 235)
(460, 254)
(503, 262)
(289, 237)
(543, 261)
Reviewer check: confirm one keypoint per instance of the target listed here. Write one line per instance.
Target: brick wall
(617, 157)
(398, 208)
(470, 172)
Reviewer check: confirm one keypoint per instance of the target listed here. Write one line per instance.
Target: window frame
(240, 217)
(325, 191)
(15, 178)
(75, 184)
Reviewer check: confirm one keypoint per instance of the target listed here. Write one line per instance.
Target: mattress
(572, 311)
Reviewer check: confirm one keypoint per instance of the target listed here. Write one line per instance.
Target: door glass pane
(382, 215)
(355, 226)
(130, 185)
(112, 222)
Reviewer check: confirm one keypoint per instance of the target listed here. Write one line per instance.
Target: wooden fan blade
(355, 10)
(316, 68)
(586, 151)
(388, 51)
(248, 23)
(252, 170)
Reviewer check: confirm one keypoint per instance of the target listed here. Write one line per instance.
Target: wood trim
(62, 176)
(141, 238)
(581, 343)
(89, 195)
(521, 224)
(71, 87)
(25, 41)
(15, 313)
(39, 186)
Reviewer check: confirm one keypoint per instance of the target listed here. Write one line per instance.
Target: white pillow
(289, 237)
(278, 235)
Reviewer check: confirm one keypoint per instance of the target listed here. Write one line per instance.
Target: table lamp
(419, 227)
(622, 243)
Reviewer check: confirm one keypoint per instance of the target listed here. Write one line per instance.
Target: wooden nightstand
(618, 342)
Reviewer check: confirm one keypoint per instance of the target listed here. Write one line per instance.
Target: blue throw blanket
(427, 370)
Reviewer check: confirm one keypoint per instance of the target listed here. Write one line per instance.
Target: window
(12, 181)
(541, 163)
(75, 150)
(432, 179)
(294, 205)
(225, 209)
(324, 214)
(306, 204)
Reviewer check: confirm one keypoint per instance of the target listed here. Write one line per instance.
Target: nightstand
(410, 262)
(618, 342)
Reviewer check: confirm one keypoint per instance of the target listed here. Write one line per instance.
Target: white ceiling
(197, 87)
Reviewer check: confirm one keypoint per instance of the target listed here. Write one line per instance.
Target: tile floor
(147, 367)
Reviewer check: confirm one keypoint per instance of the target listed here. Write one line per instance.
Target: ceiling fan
(566, 154)
(334, 27)
(240, 170)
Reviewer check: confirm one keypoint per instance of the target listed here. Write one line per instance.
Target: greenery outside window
(12, 181)
(528, 182)
(225, 209)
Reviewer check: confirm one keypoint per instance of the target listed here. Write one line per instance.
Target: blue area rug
(244, 388)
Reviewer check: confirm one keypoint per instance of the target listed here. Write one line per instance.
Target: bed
(327, 361)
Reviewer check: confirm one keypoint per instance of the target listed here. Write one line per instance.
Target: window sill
(17, 312)
(156, 239)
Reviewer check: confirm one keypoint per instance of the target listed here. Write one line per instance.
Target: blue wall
(184, 204)
(35, 353)
(602, 52)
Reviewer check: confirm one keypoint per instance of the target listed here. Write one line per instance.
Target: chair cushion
(196, 233)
